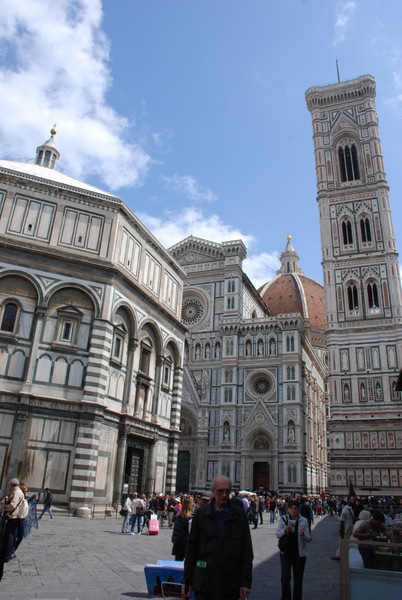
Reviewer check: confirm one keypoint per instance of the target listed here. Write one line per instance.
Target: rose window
(192, 311)
(261, 386)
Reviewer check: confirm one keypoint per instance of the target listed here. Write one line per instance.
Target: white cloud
(344, 15)
(173, 227)
(187, 186)
(54, 69)
(261, 267)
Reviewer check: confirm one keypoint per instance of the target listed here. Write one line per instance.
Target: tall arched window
(353, 298)
(291, 392)
(347, 232)
(372, 296)
(291, 474)
(9, 317)
(365, 229)
(290, 344)
(348, 163)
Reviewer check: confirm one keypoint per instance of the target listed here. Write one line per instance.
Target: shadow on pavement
(321, 575)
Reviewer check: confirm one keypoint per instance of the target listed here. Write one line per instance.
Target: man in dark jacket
(47, 504)
(219, 557)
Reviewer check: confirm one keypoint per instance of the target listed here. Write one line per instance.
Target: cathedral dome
(290, 291)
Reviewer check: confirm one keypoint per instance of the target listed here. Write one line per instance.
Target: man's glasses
(223, 491)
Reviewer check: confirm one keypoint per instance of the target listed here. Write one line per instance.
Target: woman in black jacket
(181, 529)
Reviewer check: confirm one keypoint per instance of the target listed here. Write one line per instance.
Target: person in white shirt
(137, 514)
(127, 517)
(346, 521)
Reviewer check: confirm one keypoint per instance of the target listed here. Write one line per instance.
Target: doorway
(261, 475)
(134, 470)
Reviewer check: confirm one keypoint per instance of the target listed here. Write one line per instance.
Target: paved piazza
(79, 559)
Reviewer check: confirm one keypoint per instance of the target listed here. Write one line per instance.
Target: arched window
(229, 347)
(228, 394)
(9, 317)
(290, 372)
(353, 299)
(365, 230)
(290, 344)
(291, 392)
(348, 163)
(230, 303)
(347, 232)
(372, 296)
(291, 474)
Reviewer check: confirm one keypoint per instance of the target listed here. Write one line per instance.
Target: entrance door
(261, 475)
(183, 471)
(134, 468)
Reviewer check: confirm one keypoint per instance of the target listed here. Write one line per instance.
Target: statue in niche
(346, 392)
(207, 351)
(260, 348)
(217, 351)
(272, 347)
(291, 433)
(378, 391)
(197, 352)
(395, 395)
(362, 391)
(248, 348)
(226, 432)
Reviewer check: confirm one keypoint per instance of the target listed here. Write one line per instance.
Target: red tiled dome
(291, 292)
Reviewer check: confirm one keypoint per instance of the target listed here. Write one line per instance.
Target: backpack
(24, 509)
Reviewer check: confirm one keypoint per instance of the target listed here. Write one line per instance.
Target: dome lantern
(47, 154)
(289, 259)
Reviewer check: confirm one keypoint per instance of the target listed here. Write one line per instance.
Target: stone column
(151, 469)
(85, 464)
(120, 460)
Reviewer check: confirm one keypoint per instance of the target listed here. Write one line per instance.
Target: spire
(47, 155)
(289, 259)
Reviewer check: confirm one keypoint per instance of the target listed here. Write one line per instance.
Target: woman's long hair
(186, 507)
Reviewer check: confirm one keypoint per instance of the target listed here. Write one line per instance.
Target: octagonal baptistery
(290, 291)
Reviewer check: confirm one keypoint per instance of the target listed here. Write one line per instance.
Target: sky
(193, 111)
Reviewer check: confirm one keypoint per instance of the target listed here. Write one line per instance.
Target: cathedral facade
(254, 404)
(362, 289)
(91, 343)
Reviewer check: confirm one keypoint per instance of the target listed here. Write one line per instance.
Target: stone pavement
(82, 559)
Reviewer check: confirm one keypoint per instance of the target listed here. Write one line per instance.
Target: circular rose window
(192, 311)
(261, 385)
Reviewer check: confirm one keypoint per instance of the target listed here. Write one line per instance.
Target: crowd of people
(212, 532)
(292, 515)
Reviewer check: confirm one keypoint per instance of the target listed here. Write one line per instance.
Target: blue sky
(193, 111)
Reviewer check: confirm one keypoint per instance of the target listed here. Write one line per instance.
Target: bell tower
(362, 285)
